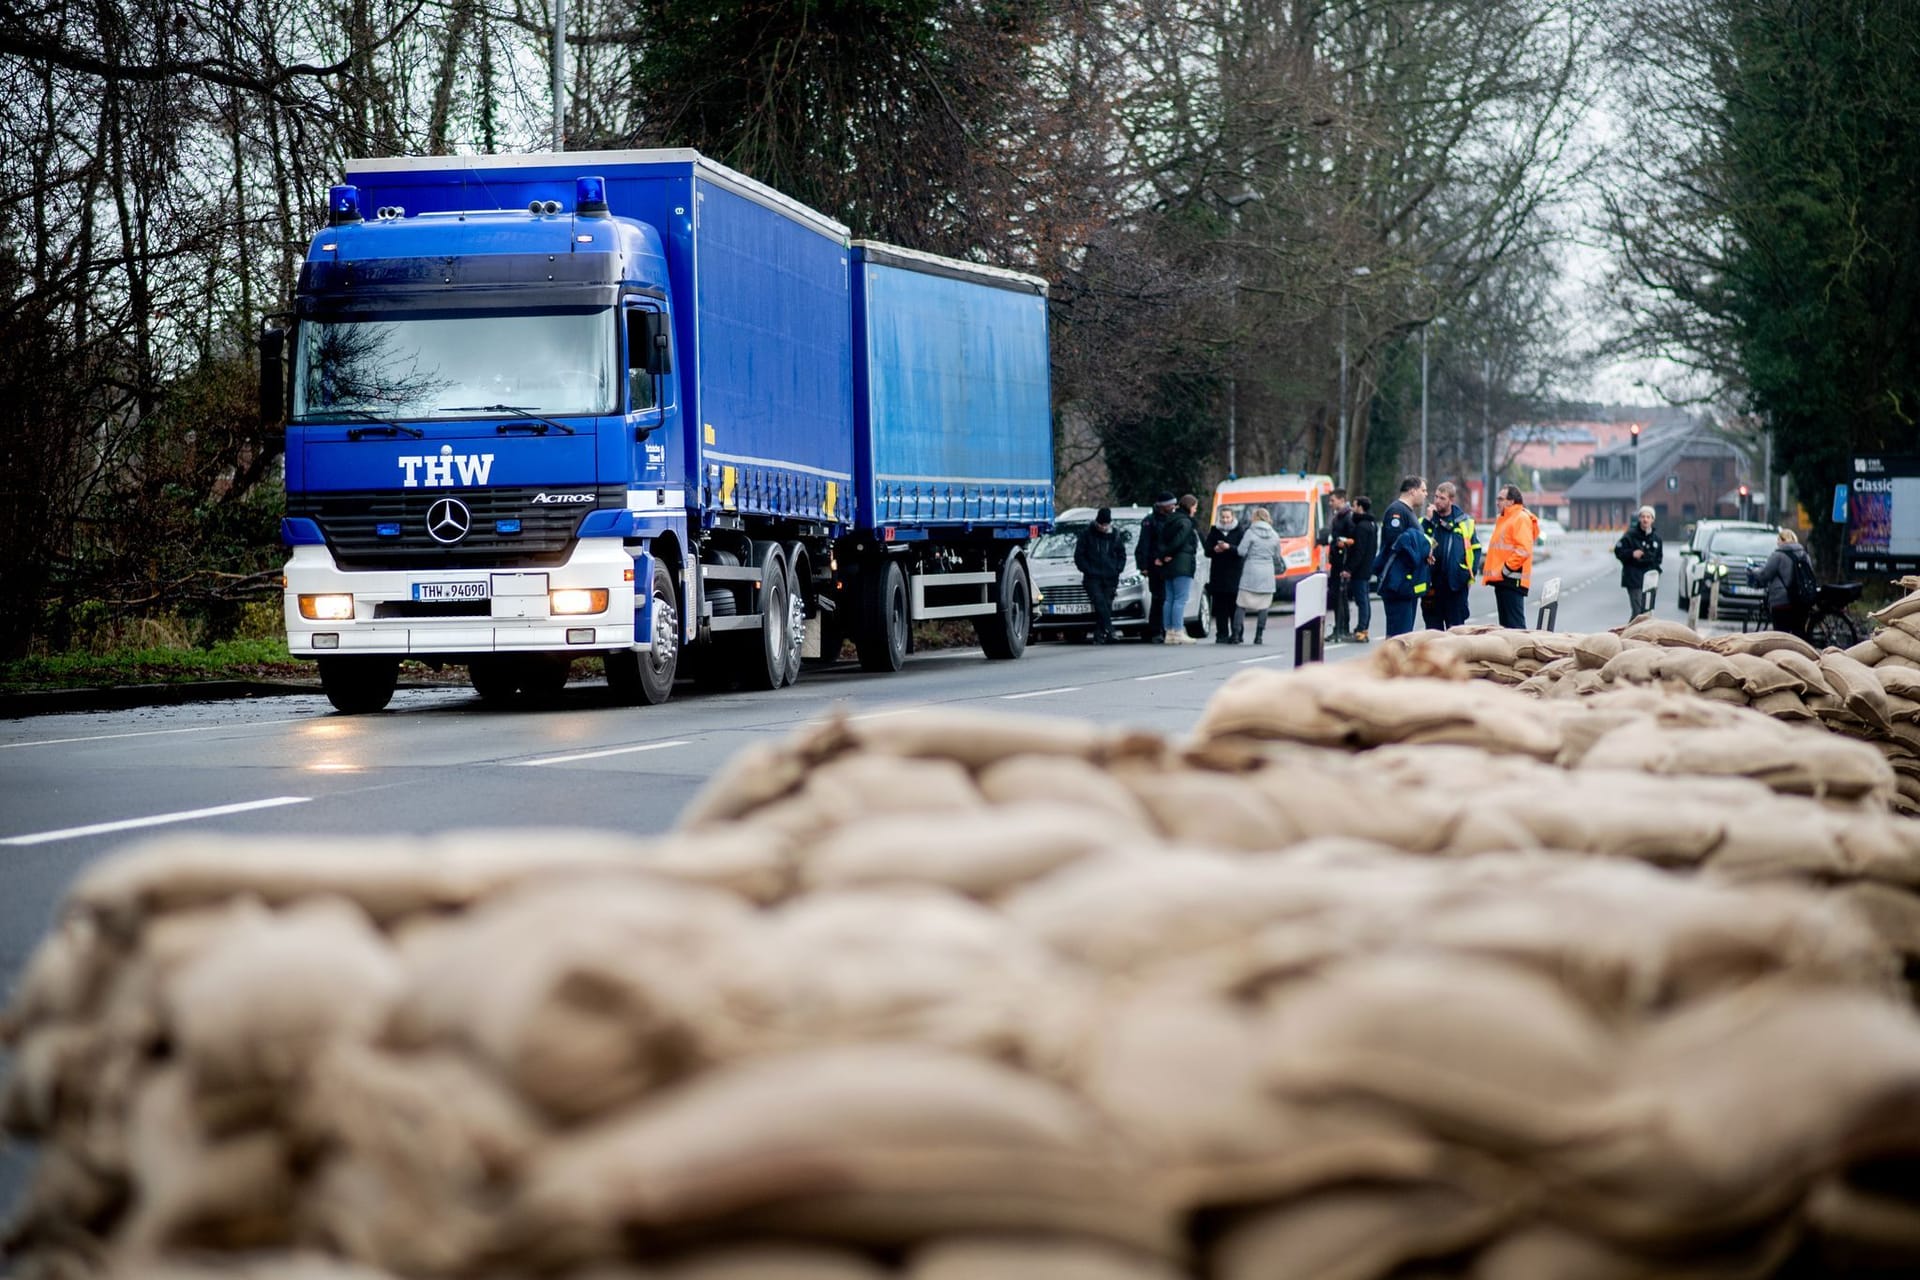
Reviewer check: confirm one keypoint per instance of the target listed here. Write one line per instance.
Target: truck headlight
(566, 600)
(326, 608)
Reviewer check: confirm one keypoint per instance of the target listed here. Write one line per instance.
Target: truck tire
(644, 677)
(493, 677)
(1003, 633)
(762, 657)
(357, 685)
(882, 634)
(799, 596)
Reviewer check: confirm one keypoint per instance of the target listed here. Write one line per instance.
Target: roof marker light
(590, 196)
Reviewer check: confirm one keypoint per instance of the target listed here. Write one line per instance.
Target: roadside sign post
(1548, 616)
(1309, 620)
(1649, 586)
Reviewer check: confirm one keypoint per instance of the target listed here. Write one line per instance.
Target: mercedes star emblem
(448, 520)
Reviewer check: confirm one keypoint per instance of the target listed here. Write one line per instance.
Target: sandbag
(877, 1144)
(1033, 1258)
(1355, 1232)
(981, 853)
(1858, 688)
(1663, 632)
(1061, 779)
(1898, 643)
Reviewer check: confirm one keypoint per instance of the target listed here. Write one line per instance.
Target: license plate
(440, 592)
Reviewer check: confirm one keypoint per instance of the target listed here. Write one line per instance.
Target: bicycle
(1829, 622)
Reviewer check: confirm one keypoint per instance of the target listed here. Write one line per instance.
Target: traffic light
(1635, 429)
(1745, 493)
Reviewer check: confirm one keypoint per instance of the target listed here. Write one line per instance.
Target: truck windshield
(440, 364)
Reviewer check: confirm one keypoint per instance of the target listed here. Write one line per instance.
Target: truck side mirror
(649, 345)
(273, 375)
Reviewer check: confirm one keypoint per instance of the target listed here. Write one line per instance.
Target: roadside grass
(255, 659)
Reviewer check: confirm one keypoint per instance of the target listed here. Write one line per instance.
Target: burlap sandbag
(907, 963)
(63, 978)
(1700, 670)
(878, 1144)
(1906, 606)
(1785, 706)
(1033, 1258)
(1858, 688)
(414, 1151)
(1272, 705)
(1622, 815)
(256, 1006)
(1592, 652)
(1638, 665)
(1355, 1232)
(1663, 632)
(1760, 676)
(584, 994)
(1866, 653)
(1060, 779)
(1899, 643)
(1899, 681)
(1806, 669)
(1808, 764)
(388, 878)
(1547, 1249)
(1203, 807)
(1517, 1068)
(192, 1190)
(1764, 644)
(243, 1266)
(760, 774)
(977, 739)
(787, 1261)
(1749, 1097)
(981, 853)
(866, 783)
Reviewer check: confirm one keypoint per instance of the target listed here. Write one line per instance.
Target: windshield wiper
(380, 427)
(505, 427)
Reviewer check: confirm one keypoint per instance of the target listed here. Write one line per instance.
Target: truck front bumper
(515, 616)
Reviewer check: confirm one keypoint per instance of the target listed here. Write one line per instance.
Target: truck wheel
(799, 580)
(763, 658)
(493, 678)
(882, 637)
(1003, 634)
(358, 685)
(644, 677)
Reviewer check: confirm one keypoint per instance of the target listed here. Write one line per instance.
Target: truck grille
(351, 521)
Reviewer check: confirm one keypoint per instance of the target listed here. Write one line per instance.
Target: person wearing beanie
(1149, 559)
(1100, 555)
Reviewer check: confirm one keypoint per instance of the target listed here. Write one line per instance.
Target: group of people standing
(1166, 552)
(1424, 558)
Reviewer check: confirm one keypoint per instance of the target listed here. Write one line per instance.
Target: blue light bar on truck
(589, 196)
(343, 204)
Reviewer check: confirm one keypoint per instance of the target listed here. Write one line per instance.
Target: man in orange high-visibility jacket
(1510, 557)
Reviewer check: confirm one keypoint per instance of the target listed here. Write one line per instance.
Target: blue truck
(635, 405)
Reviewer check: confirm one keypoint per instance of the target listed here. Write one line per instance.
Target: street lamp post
(1341, 442)
(1423, 400)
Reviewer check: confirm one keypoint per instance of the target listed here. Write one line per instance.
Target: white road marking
(1269, 657)
(157, 820)
(595, 755)
(1167, 675)
(1039, 693)
(145, 733)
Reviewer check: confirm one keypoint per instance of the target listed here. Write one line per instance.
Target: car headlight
(565, 600)
(1131, 580)
(330, 608)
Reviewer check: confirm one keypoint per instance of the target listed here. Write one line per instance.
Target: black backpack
(1802, 587)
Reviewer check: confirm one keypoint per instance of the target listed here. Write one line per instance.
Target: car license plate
(441, 592)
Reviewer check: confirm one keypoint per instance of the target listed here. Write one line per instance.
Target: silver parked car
(1064, 609)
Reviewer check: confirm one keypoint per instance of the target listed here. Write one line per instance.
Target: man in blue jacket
(1398, 518)
(1450, 529)
(1405, 573)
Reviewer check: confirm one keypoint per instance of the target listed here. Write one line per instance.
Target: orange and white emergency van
(1299, 506)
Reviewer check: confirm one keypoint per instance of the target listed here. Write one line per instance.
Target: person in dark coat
(1360, 557)
(1180, 560)
(1450, 529)
(1101, 555)
(1402, 514)
(1338, 537)
(1223, 576)
(1147, 558)
(1787, 609)
(1638, 551)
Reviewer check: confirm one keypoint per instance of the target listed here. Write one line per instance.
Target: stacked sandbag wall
(1332, 989)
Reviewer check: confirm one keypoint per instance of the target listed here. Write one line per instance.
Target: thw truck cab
(1300, 508)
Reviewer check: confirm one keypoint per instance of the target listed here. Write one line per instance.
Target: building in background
(1686, 473)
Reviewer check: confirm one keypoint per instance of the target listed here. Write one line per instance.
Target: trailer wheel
(882, 636)
(763, 657)
(358, 684)
(493, 677)
(1003, 633)
(799, 581)
(644, 677)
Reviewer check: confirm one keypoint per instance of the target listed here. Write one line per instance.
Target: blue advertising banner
(1881, 507)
